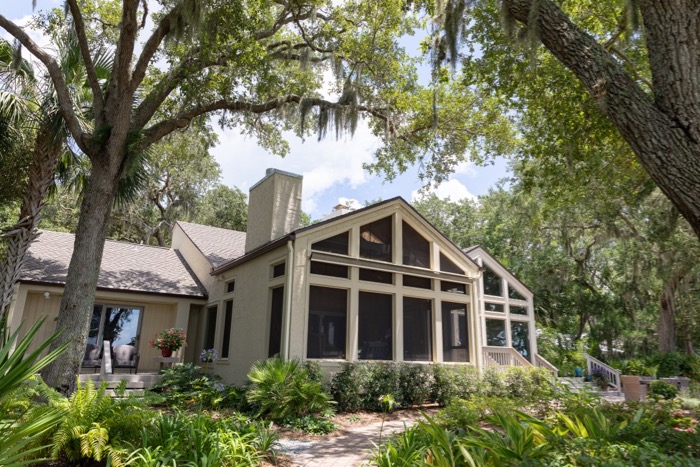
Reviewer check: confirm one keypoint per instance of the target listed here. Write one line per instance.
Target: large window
(372, 275)
(455, 335)
(328, 269)
(493, 285)
(496, 332)
(375, 327)
(118, 325)
(327, 322)
(417, 329)
(495, 307)
(514, 294)
(337, 244)
(228, 320)
(418, 282)
(276, 307)
(376, 240)
(416, 249)
(520, 337)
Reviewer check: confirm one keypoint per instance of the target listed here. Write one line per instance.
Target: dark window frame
(228, 323)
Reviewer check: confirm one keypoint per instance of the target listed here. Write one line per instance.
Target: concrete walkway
(352, 448)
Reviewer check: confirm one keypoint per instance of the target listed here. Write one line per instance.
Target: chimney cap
(270, 172)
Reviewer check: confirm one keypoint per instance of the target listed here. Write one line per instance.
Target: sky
(332, 170)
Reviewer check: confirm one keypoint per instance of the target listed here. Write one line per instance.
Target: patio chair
(92, 359)
(125, 356)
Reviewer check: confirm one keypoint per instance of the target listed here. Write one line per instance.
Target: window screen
(376, 276)
(418, 282)
(327, 269)
(278, 270)
(514, 294)
(327, 322)
(228, 318)
(337, 244)
(493, 285)
(275, 344)
(417, 329)
(210, 328)
(455, 336)
(496, 332)
(520, 337)
(497, 307)
(453, 287)
(376, 240)
(416, 249)
(374, 327)
(447, 265)
(518, 310)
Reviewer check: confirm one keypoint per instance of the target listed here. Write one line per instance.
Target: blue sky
(332, 169)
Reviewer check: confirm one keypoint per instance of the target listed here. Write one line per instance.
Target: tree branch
(150, 48)
(79, 24)
(119, 81)
(64, 99)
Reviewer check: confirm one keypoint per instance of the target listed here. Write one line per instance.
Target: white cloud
(466, 168)
(323, 164)
(452, 189)
(352, 203)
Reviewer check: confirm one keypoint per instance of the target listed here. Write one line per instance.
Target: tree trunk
(664, 133)
(47, 149)
(83, 272)
(667, 327)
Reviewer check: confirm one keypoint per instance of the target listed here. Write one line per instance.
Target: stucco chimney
(274, 208)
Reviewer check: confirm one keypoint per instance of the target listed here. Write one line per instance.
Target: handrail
(541, 362)
(593, 365)
(505, 356)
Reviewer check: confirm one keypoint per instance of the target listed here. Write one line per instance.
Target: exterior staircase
(578, 384)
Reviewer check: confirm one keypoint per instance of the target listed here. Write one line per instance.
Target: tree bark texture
(47, 150)
(83, 272)
(663, 130)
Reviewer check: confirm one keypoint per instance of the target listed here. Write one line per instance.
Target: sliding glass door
(118, 325)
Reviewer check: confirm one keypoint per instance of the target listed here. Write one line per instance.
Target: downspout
(288, 303)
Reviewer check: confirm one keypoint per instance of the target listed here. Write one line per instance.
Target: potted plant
(600, 379)
(169, 341)
(207, 357)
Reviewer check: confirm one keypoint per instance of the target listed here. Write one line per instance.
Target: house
(379, 283)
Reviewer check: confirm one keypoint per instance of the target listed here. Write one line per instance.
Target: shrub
(662, 390)
(310, 424)
(382, 379)
(347, 387)
(462, 414)
(282, 389)
(676, 364)
(188, 384)
(415, 383)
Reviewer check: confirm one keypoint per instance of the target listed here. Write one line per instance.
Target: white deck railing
(504, 356)
(541, 362)
(595, 366)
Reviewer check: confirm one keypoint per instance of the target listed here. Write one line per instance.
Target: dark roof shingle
(125, 266)
(216, 244)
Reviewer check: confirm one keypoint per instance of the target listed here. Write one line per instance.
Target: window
(375, 326)
(337, 244)
(493, 285)
(497, 307)
(496, 332)
(376, 276)
(118, 325)
(327, 269)
(514, 294)
(447, 265)
(327, 322)
(518, 310)
(278, 270)
(376, 240)
(455, 343)
(418, 282)
(520, 337)
(453, 287)
(417, 329)
(275, 343)
(230, 286)
(416, 249)
(228, 318)
(210, 328)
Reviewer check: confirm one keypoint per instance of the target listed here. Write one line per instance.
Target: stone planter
(633, 388)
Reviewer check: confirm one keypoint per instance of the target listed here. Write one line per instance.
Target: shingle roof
(216, 244)
(125, 266)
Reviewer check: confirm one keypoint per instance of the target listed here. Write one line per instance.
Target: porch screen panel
(455, 333)
(520, 337)
(375, 326)
(376, 240)
(228, 321)
(327, 322)
(417, 329)
(416, 249)
(447, 265)
(496, 332)
(276, 322)
(493, 285)
(336, 244)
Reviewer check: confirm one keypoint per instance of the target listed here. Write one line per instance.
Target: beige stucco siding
(197, 262)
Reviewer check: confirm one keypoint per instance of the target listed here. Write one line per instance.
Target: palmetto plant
(283, 389)
(18, 436)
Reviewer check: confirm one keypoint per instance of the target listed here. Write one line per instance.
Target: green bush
(310, 424)
(677, 364)
(461, 414)
(662, 390)
(189, 385)
(415, 382)
(282, 389)
(347, 387)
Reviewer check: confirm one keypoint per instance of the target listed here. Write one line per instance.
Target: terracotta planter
(166, 352)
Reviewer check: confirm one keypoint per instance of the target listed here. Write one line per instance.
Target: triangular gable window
(514, 294)
(493, 285)
(447, 265)
(376, 240)
(416, 249)
(336, 244)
